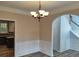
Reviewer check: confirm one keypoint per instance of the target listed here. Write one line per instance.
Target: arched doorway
(62, 35)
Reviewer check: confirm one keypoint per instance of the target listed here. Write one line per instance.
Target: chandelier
(40, 13)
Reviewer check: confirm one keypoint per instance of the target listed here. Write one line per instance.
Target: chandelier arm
(39, 5)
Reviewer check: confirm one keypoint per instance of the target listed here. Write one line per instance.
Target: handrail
(73, 21)
(76, 34)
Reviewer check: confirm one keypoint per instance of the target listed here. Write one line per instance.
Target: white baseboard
(75, 49)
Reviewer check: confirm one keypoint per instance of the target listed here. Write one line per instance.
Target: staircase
(74, 23)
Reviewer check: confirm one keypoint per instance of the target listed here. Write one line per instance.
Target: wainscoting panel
(27, 47)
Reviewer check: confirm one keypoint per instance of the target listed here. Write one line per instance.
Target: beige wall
(26, 32)
(45, 35)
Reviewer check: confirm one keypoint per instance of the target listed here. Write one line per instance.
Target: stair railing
(73, 21)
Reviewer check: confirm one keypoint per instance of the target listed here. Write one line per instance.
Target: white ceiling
(33, 5)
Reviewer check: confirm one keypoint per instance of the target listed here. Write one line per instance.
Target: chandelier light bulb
(33, 13)
(41, 11)
(46, 13)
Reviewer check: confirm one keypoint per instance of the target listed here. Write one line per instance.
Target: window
(3, 28)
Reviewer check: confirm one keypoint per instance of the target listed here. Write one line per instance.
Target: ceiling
(33, 5)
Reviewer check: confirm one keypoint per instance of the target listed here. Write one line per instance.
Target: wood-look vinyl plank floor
(37, 54)
(6, 52)
(68, 53)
